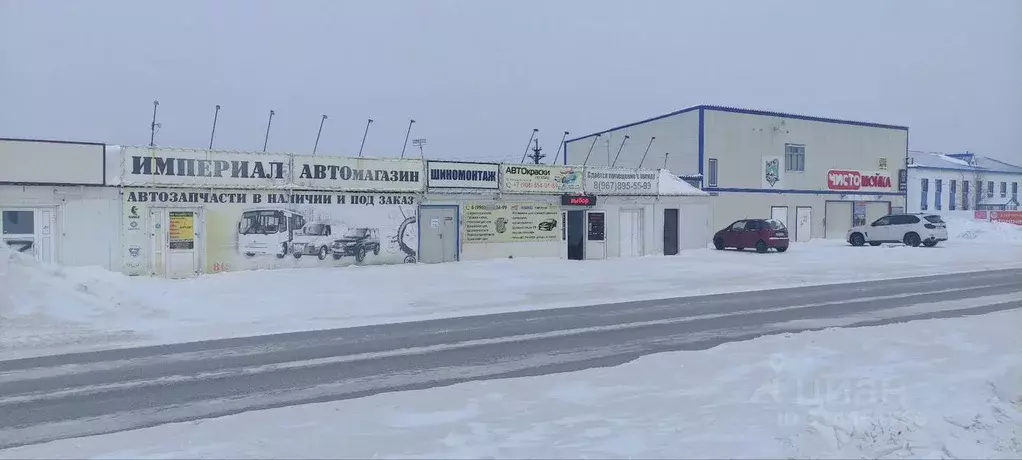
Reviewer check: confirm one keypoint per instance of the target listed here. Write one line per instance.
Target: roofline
(719, 108)
(973, 169)
(50, 141)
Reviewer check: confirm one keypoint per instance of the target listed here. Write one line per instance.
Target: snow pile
(673, 185)
(947, 388)
(965, 228)
(42, 303)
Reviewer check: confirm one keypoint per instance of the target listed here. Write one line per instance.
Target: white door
(803, 224)
(780, 213)
(175, 242)
(630, 232)
(596, 235)
(29, 231)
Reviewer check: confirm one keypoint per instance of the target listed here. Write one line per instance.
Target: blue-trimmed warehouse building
(819, 175)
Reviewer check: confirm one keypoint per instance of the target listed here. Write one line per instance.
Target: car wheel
(761, 247)
(298, 255)
(718, 243)
(322, 252)
(782, 248)
(912, 239)
(930, 243)
(857, 239)
(360, 254)
(874, 243)
(376, 250)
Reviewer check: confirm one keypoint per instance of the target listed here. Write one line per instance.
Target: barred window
(794, 157)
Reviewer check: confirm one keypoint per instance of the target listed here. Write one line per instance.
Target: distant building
(961, 182)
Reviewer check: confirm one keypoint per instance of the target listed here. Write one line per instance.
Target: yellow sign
(504, 222)
(182, 230)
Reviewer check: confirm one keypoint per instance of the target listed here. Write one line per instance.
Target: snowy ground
(949, 388)
(47, 310)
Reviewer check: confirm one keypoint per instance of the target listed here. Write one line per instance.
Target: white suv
(911, 229)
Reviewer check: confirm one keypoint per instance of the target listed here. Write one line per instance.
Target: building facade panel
(677, 142)
(754, 151)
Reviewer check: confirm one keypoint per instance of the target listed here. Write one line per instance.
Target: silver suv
(910, 229)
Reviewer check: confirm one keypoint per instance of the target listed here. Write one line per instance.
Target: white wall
(676, 134)
(916, 176)
(48, 162)
(739, 142)
(87, 220)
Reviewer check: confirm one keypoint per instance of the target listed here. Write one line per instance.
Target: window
(936, 193)
(738, 226)
(794, 157)
(1004, 189)
(753, 225)
(965, 195)
(990, 189)
(924, 194)
(18, 223)
(934, 219)
(713, 172)
(904, 219)
(952, 194)
(883, 221)
(1014, 190)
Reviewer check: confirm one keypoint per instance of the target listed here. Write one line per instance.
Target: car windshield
(356, 233)
(776, 224)
(260, 223)
(314, 230)
(934, 219)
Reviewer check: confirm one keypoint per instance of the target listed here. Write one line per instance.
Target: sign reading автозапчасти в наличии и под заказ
(231, 169)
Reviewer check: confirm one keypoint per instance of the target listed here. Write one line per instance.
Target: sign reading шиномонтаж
(503, 222)
(238, 170)
(455, 174)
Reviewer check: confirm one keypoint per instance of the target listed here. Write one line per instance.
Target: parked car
(762, 234)
(313, 239)
(357, 242)
(911, 229)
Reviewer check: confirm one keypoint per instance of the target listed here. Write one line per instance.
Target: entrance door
(596, 235)
(803, 224)
(837, 219)
(576, 229)
(780, 213)
(630, 233)
(29, 231)
(438, 234)
(174, 238)
(671, 232)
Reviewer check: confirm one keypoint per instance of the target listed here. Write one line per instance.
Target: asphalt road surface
(54, 397)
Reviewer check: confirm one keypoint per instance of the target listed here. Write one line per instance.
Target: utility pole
(318, 133)
(366, 133)
(536, 155)
(524, 154)
(152, 126)
(216, 113)
(565, 136)
(406, 137)
(266, 139)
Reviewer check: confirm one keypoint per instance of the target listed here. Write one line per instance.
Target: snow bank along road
(63, 396)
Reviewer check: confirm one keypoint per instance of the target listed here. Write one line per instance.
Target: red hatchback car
(761, 234)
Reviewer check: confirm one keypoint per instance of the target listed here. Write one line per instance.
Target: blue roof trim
(702, 143)
(800, 192)
(767, 113)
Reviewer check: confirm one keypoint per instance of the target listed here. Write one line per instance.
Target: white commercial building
(180, 212)
(818, 175)
(961, 182)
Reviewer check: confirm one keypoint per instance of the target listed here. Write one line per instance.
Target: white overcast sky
(478, 75)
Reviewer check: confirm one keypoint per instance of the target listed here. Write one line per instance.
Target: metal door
(803, 224)
(438, 234)
(671, 232)
(630, 233)
(175, 241)
(780, 213)
(596, 235)
(837, 219)
(576, 234)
